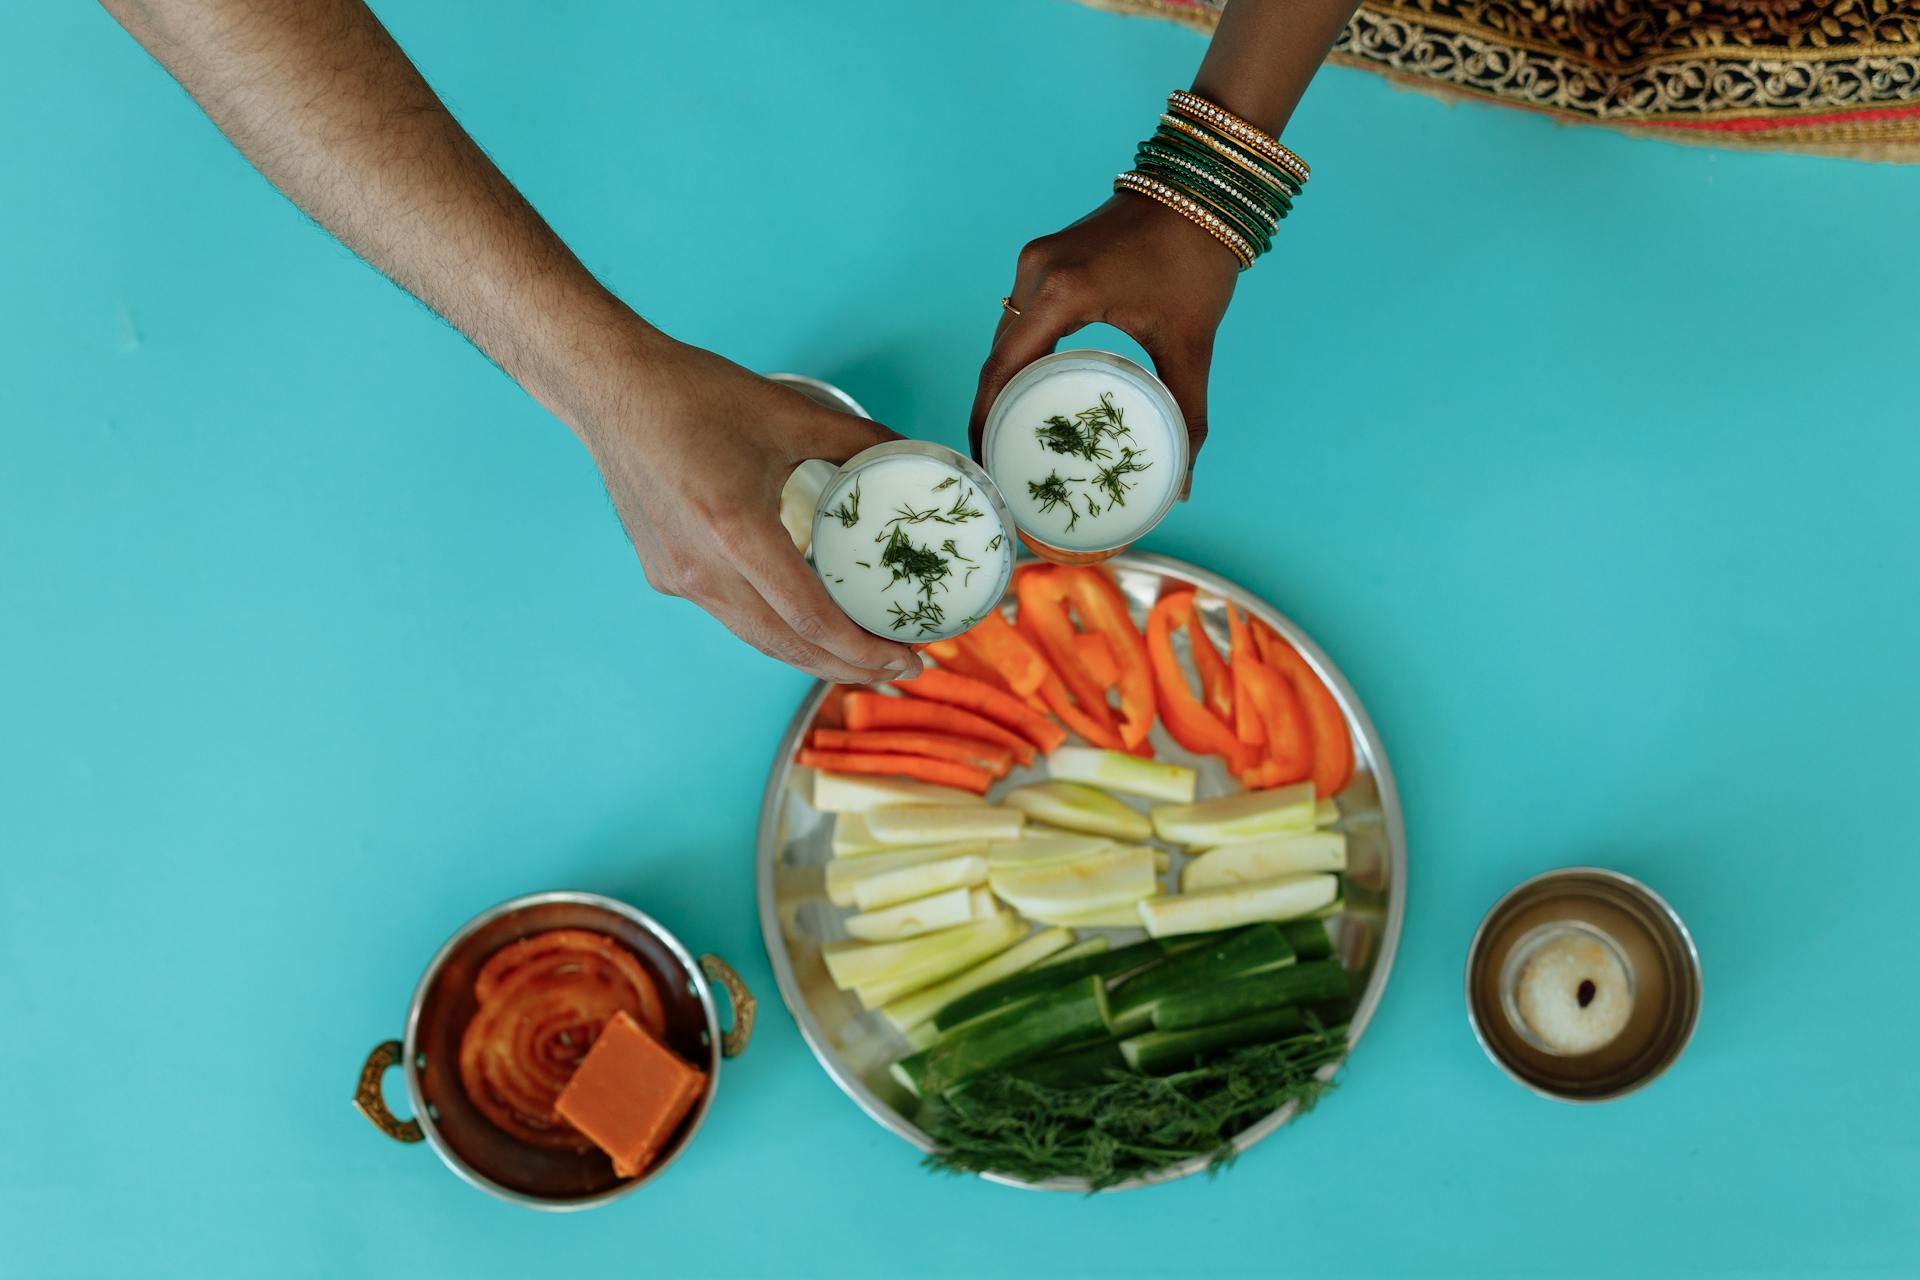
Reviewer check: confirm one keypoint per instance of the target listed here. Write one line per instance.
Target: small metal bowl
(1663, 966)
(464, 1139)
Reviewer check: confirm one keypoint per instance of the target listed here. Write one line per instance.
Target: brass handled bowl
(443, 1003)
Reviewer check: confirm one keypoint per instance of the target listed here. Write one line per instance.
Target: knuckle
(1034, 256)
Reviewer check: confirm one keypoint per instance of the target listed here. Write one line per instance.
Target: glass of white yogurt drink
(912, 541)
(1089, 450)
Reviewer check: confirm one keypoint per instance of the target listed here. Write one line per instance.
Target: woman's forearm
(324, 103)
(1265, 52)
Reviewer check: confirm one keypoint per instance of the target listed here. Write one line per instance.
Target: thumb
(1020, 340)
(837, 436)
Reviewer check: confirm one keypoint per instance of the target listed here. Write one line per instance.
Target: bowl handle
(734, 1042)
(367, 1096)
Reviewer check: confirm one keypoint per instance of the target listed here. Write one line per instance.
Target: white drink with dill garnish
(912, 541)
(1088, 449)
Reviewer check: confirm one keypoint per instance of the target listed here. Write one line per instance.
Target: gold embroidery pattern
(1649, 66)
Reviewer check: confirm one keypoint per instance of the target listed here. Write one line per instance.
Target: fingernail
(907, 668)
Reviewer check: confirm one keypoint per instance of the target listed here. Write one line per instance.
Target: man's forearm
(324, 103)
(1265, 52)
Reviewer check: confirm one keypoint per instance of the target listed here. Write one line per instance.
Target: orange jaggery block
(629, 1095)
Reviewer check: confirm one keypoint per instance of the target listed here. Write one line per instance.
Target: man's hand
(694, 449)
(694, 461)
(1132, 264)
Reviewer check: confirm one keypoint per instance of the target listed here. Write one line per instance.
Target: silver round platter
(856, 1047)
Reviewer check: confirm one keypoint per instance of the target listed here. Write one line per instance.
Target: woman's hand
(694, 459)
(1132, 264)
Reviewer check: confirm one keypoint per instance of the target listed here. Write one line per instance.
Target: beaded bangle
(1186, 173)
(1269, 200)
(1219, 172)
(1190, 209)
(1249, 226)
(1198, 108)
(1241, 158)
(1195, 150)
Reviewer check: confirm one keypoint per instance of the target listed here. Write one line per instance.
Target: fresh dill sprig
(848, 512)
(993, 543)
(1109, 477)
(922, 566)
(954, 551)
(1053, 492)
(927, 615)
(961, 511)
(1073, 437)
(1128, 1124)
(948, 483)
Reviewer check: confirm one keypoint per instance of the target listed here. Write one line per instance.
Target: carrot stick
(961, 660)
(995, 704)
(865, 710)
(943, 772)
(996, 760)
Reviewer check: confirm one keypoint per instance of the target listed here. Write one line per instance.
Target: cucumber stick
(1075, 1067)
(868, 964)
(845, 793)
(1309, 938)
(1115, 876)
(1035, 982)
(1159, 1052)
(910, 1011)
(1078, 807)
(1224, 908)
(1255, 993)
(903, 884)
(1085, 947)
(1265, 858)
(931, 823)
(922, 915)
(1241, 817)
(1118, 771)
(1067, 1015)
(1032, 850)
(1256, 950)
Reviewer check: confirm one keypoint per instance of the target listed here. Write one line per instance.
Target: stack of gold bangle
(1226, 176)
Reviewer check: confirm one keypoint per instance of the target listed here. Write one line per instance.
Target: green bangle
(1218, 134)
(1190, 175)
(1232, 152)
(1274, 206)
(1186, 146)
(1210, 199)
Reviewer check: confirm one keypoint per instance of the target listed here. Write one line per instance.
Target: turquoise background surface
(1591, 462)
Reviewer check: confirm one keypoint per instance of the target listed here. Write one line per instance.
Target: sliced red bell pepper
(994, 644)
(865, 710)
(1097, 658)
(1216, 685)
(996, 705)
(1043, 617)
(1103, 612)
(1284, 731)
(1332, 741)
(1187, 718)
(949, 654)
(942, 772)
